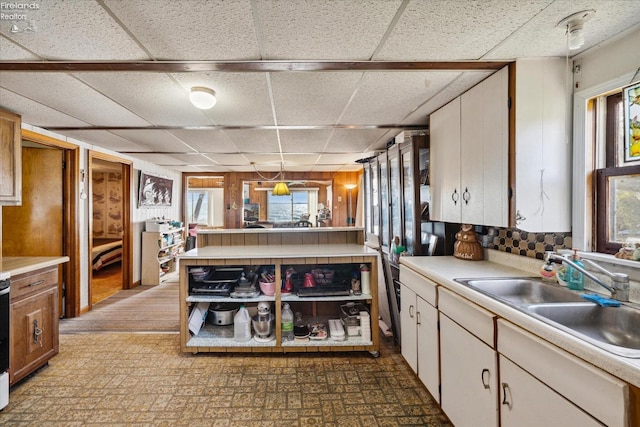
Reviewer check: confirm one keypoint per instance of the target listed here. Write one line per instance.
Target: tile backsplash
(524, 243)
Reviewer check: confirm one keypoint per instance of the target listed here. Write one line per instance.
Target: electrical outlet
(339, 199)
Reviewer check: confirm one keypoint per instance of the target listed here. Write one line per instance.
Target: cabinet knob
(519, 217)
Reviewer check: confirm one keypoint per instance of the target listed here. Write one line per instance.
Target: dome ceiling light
(202, 97)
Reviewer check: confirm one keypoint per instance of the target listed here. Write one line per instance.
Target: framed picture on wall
(154, 191)
(631, 103)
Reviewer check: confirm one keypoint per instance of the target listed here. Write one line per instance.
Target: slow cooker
(222, 313)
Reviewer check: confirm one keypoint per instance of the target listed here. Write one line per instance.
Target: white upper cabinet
(542, 146)
(470, 155)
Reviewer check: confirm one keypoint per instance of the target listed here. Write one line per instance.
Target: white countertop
(24, 264)
(278, 251)
(275, 230)
(443, 270)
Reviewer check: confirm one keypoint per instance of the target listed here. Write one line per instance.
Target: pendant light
(281, 188)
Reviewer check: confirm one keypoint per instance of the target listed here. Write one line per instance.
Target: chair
(303, 224)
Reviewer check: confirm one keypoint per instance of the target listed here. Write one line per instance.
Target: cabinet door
(428, 351)
(484, 153)
(384, 200)
(525, 401)
(10, 159)
(395, 195)
(408, 327)
(543, 154)
(34, 333)
(445, 163)
(469, 394)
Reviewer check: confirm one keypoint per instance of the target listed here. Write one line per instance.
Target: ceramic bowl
(268, 288)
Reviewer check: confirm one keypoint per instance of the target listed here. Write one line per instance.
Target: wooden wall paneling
(263, 239)
(323, 238)
(310, 238)
(292, 238)
(251, 239)
(237, 240)
(274, 239)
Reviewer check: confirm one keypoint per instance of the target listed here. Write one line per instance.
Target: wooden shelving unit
(220, 338)
(160, 250)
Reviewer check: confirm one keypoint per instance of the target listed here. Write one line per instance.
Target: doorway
(50, 186)
(109, 182)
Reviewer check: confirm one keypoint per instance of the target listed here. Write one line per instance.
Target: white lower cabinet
(582, 394)
(469, 366)
(419, 329)
(525, 401)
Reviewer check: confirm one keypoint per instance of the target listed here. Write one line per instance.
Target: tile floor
(141, 379)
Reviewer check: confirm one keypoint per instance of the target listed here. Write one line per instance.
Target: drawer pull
(485, 383)
(505, 389)
(37, 283)
(411, 311)
(37, 332)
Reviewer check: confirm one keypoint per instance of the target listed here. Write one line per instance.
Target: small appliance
(263, 323)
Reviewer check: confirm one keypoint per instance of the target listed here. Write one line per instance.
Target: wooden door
(35, 227)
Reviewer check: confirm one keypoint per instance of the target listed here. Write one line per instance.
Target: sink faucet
(619, 288)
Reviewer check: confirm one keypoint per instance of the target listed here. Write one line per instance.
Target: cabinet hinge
(64, 164)
(509, 102)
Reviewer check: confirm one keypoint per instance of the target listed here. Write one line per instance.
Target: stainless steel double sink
(614, 329)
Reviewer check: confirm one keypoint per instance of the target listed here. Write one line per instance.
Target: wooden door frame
(127, 236)
(71, 231)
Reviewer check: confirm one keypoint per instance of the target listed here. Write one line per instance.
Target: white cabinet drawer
(473, 318)
(596, 392)
(423, 287)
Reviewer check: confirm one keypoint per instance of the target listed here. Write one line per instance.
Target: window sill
(632, 268)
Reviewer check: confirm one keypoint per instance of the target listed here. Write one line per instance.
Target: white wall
(138, 216)
(605, 68)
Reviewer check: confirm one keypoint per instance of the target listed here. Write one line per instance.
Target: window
(617, 190)
(291, 208)
(205, 206)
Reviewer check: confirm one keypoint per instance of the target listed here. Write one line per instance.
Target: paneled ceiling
(313, 85)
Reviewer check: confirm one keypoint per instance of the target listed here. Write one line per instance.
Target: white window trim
(583, 165)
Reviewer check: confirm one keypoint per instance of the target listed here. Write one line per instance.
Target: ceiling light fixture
(574, 24)
(202, 97)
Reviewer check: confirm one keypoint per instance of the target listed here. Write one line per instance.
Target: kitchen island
(304, 258)
(279, 236)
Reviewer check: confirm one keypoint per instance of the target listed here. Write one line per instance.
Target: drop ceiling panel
(70, 96)
(104, 139)
(74, 30)
(349, 141)
(335, 159)
(550, 40)
(254, 141)
(312, 98)
(267, 161)
(388, 97)
(456, 30)
(324, 30)
(304, 141)
(293, 160)
(243, 98)
(35, 113)
(155, 97)
(162, 159)
(194, 30)
(155, 140)
(228, 159)
(13, 52)
(207, 141)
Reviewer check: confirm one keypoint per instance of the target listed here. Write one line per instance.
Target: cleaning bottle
(242, 325)
(575, 279)
(287, 323)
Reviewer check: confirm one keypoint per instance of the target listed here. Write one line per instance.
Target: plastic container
(242, 325)
(575, 279)
(287, 323)
(365, 279)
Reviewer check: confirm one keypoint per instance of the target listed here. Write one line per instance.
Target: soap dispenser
(575, 279)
